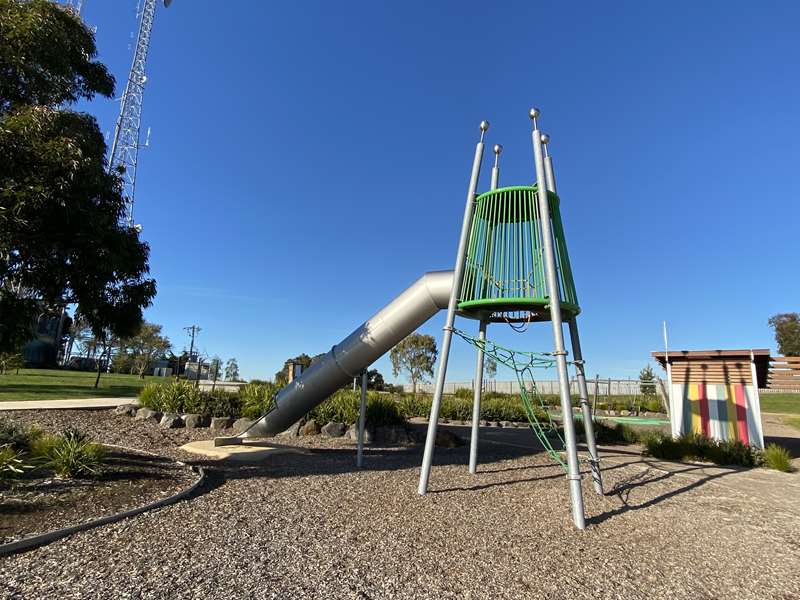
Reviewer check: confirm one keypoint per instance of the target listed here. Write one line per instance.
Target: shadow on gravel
(649, 476)
(338, 461)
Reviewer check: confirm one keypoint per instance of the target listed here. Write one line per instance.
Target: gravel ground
(128, 479)
(314, 527)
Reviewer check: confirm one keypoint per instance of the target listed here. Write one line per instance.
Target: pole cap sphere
(484, 126)
(534, 113)
(545, 138)
(498, 148)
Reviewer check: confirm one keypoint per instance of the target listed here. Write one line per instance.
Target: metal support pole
(478, 386)
(496, 168)
(573, 469)
(458, 276)
(476, 403)
(575, 342)
(583, 391)
(362, 420)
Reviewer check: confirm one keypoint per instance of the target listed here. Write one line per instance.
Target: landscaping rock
(310, 428)
(221, 423)
(494, 424)
(448, 439)
(240, 425)
(393, 435)
(352, 434)
(485, 423)
(148, 414)
(624, 413)
(506, 424)
(293, 431)
(194, 421)
(334, 430)
(129, 410)
(171, 421)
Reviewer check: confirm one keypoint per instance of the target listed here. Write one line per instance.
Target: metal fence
(605, 387)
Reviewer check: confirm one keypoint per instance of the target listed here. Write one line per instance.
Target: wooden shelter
(784, 373)
(715, 392)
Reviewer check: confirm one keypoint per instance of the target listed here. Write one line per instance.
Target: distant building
(190, 371)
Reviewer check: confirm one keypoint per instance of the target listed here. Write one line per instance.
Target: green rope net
(523, 364)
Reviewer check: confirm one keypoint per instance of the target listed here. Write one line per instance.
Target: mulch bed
(40, 502)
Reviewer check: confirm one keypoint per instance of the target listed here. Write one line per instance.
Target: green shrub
(344, 405)
(11, 463)
(660, 445)
(71, 454)
(149, 395)
(778, 458)
(176, 396)
(463, 393)
(19, 438)
(694, 446)
(494, 407)
(618, 434)
(382, 410)
(733, 452)
(414, 406)
(218, 403)
(652, 405)
(181, 396)
(341, 407)
(255, 398)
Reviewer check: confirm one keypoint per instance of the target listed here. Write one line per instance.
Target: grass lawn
(46, 384)
(780, 403)
(792, 421)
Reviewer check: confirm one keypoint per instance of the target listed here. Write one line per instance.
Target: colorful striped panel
(741, 413)
(717, 411)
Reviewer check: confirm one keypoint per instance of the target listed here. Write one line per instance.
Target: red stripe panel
(741, 414)
(704, 417)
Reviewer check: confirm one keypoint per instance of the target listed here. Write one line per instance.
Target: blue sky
(309, 160)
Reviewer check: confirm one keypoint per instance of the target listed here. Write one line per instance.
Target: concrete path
(64, 404)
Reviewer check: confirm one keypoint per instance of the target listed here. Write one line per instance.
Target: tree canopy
(62, 240)
(415, 356)
(145, 347)
(232, 370)
(787, 332)
(47, 57)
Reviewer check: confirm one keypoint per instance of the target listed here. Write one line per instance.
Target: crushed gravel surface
(312, 526)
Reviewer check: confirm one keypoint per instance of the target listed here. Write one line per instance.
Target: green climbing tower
(512, 266)
(504, 275)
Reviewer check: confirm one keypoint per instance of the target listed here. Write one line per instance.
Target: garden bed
(39, 502)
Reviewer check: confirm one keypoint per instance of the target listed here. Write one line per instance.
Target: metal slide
(401, 317)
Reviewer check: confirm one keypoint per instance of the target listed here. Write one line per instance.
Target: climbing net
(523, 364)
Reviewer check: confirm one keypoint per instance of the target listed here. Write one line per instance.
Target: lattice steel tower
(125, 147)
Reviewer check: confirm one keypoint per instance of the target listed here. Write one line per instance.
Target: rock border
(42, 539)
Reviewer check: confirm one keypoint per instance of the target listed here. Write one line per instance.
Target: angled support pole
(583, 392)
(362, 419)
(580, 371)
(573, 469)
(447, 336)
(476, 402)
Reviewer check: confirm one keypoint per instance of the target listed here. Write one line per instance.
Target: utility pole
(192, 330)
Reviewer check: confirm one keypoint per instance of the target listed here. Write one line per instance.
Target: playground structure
(512, 267)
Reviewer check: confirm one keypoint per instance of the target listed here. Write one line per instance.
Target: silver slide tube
(401, 317)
